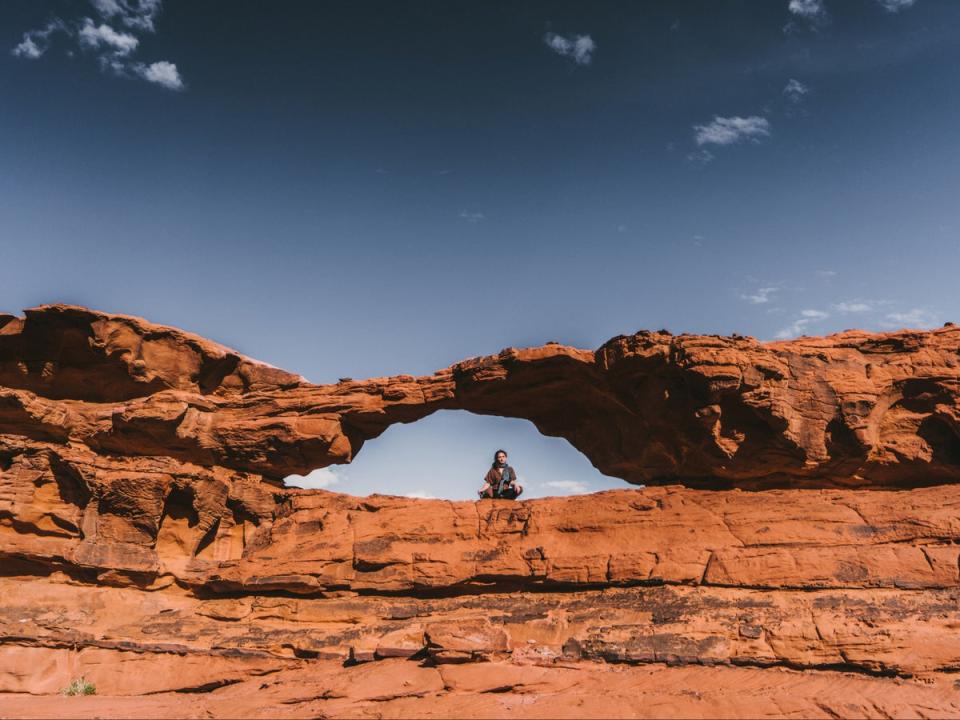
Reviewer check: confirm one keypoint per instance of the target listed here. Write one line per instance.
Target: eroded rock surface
(799, 552)
(853, 409)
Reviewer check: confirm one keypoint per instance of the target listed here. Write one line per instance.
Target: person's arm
(514, 484)
(487, 484)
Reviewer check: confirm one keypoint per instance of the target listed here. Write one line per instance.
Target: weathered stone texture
(796, 551)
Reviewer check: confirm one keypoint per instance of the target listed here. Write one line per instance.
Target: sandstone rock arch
(853, 409)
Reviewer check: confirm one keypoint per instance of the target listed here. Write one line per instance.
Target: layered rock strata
(798, 552)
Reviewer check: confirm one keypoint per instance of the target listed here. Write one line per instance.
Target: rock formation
(798, 551)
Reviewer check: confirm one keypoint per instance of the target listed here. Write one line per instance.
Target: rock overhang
(854, 409)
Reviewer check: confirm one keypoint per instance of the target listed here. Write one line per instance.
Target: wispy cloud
(809, 9)
(138, 14)
(915, 318)
(799, 325)
(111, 47)
(318, 479)
(421, 494)
(794, 90)
(97, 37)
(570, 487)
(700, 157)
(853, 306)
(472, 217)
(721, 131)
(826, 273)
(761, 296)
(36, 42)
(895, 6)
(730, 130)
(815, 10)
(578, 48)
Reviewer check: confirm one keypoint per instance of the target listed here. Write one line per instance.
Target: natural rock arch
(853, 409)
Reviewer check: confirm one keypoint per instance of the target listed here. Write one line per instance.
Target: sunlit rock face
(801, 555)
(850, 410)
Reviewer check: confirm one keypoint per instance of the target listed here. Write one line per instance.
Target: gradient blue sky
(369, 188)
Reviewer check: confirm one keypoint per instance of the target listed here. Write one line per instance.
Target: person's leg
(486, 491)
(509, 493)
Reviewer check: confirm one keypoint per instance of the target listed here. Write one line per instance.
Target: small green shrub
(80, 687)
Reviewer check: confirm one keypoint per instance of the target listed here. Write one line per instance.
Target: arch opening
(446, 454)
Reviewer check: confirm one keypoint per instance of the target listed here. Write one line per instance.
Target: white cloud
(570, 487)
(915, 317)
(135, 14)
(36, 42)
(794, 90)
(107, 8)
(798, 326)
(826, 273)
(29, 48)
(853, 307)
(103, 36)
(114, 64)
(790, 331)
(761, 296)
(472, 217)
(111, 48)
(421, 494)
(730, 130)
(162, 73)
(322, 478)
(577, 47)
(896, 5)
(809, 9)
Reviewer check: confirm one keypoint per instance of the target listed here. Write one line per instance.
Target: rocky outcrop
(853, 409)
(797, 553)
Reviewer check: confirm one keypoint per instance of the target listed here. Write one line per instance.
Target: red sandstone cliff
(810, 565)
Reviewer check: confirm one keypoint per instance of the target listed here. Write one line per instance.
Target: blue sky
(369, 188)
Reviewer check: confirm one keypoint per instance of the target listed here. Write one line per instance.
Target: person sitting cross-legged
(501, 480)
